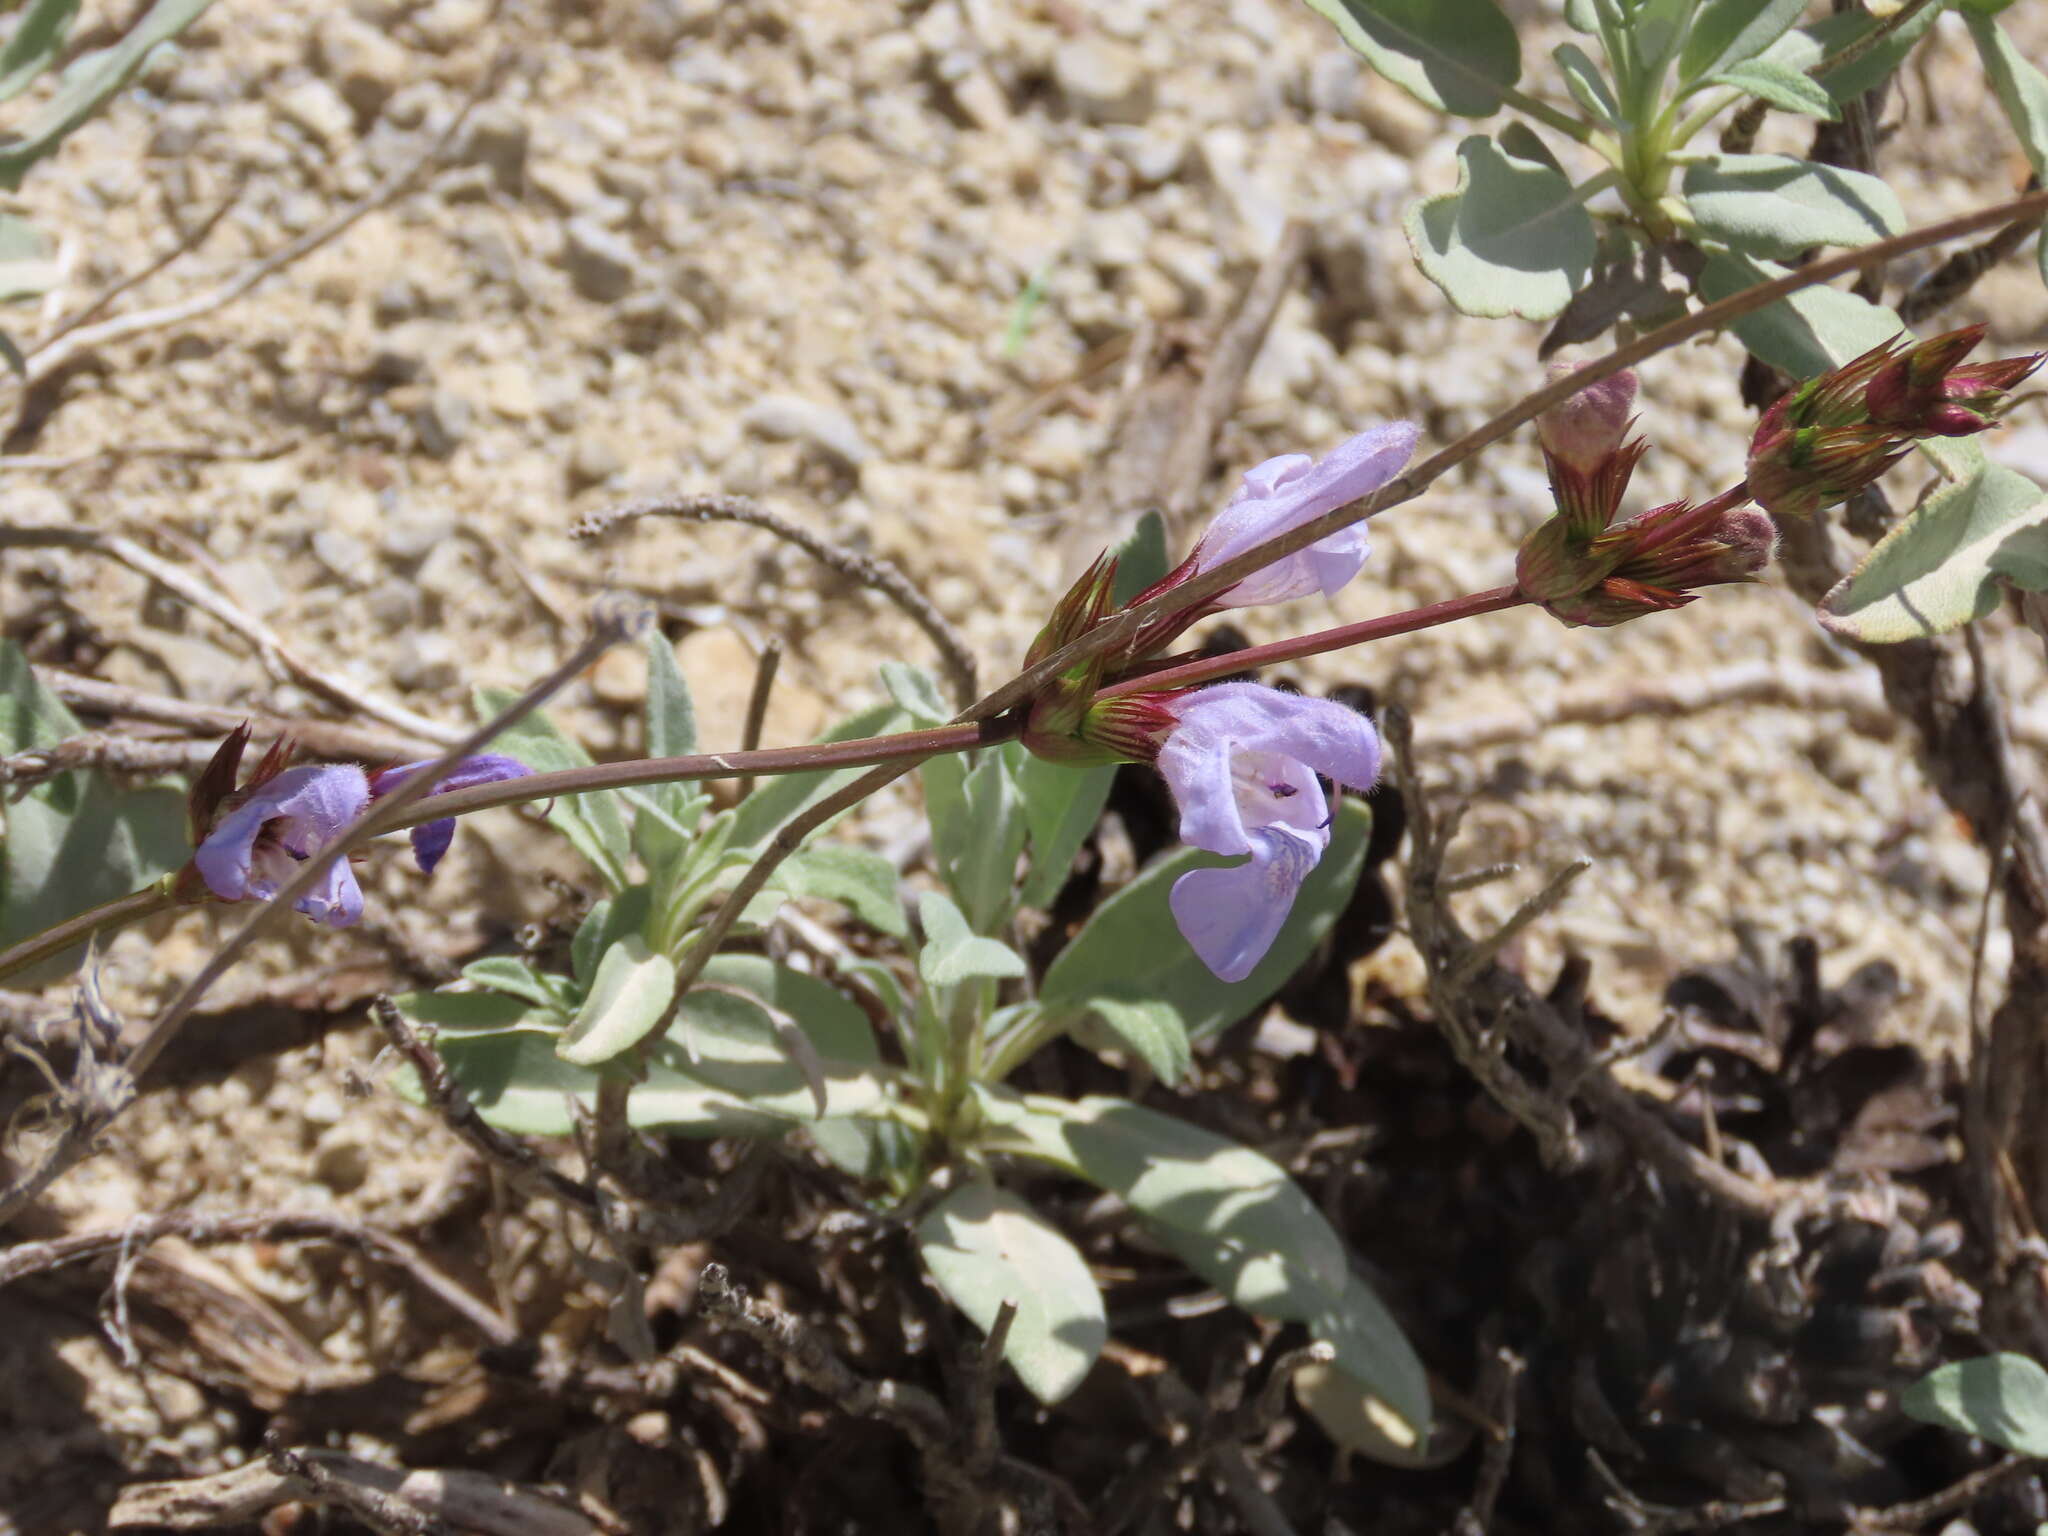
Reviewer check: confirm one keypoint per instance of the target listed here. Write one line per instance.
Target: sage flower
(1242, 761)
(430, 839)
(1283, 493)
(253, 849)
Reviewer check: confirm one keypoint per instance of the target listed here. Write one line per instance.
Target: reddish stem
(1173, 672)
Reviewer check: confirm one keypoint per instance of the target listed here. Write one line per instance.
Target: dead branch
(102, 749)
(1484, 1009)
(81, 1105)
(270, 645)
(867, 570)
(387, 1499)
(133, 1236)
(322, 738)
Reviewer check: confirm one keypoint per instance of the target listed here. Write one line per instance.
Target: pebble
(450, 24)
(497, 138)
(787, 418)
(312, 104)
(365, 65)
(659, 26)
(1103, 81)
(620, 677)
(343, 554)
(442, 422)
(592, 461)
(412, 529)
(601, 264)
(423, 659)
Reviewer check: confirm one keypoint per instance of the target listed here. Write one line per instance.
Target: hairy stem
(107, 917)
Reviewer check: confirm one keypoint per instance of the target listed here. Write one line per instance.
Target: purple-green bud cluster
(1586, 565)
(1837, 433)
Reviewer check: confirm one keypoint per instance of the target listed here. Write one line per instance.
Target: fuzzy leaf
(859, 879)
(2021, 88)
(2000, 1398)
(953, 953)
(1151, 1029)
(1788, 89)
(985, 1247)
(1454, 55)
(1374, 1397)
(1812, 331)
(1774, 205)
(1513, 239)
(75, 840)
(628, 998)
(978, 823)
(1130, 949)
(1838, 33)
(1938, 569)
(87, 83)
(515, 978)
(1588, 85)
(1231, 1213)
(1725, 33)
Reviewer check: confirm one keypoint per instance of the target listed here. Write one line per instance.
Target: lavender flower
(1282, 494)
(430, 839)
(1242, 764)
(251, 851)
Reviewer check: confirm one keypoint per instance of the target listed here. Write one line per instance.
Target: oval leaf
(628, 998)
(2000, 1398)
(1812, 331)
(1184, 1180)
(1786, 88)
(1726, 32)
(1374, 1397)
(1454, 55)
(1130, 951)
(1774, 205)
(1151, 1028)
(1513, 239)
(2021, 88)
(1936, 571)
(985, 1247)
(953, 953)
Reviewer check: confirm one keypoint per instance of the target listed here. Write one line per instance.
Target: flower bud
(1126, 729)
(1583, 431)
(1655, 562)
(1796, 470)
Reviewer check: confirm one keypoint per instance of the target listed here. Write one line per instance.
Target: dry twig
(876, 574)
(269, 644)
(322, 738)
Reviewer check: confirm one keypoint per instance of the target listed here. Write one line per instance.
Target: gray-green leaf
(953, 952)
(1812, 331)
(1939, 568)
(1151, 1029)
(1786, 88)
(1513, 239)
(1454, 55)
(1725, 33)
(1131, 950)
(1774, 205)
(2000, 1398)
(1374, 1397)
(88, 82)
(857, 878)
(2021, 88)
(985, 1247)
(628, 999)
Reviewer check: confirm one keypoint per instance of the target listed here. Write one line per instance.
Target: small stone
(659, 26)
(316, 107)
(592, 461)
(343, 554)
(366, 66)
(442, 423)
(254, 585)
(571, 188)
(791, 418)
(978, 98)
(1153, 155)
(394, 605)
(620, 677)
(1394, 117)
(412, 529)
(1103, 81)
(424, 659)
(450, 24)
(497, 138)
(601, 264)
(396, 300)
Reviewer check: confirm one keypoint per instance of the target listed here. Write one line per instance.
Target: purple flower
(1282, 494)
(252, 850)
(430, 839)
(1242, 765)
